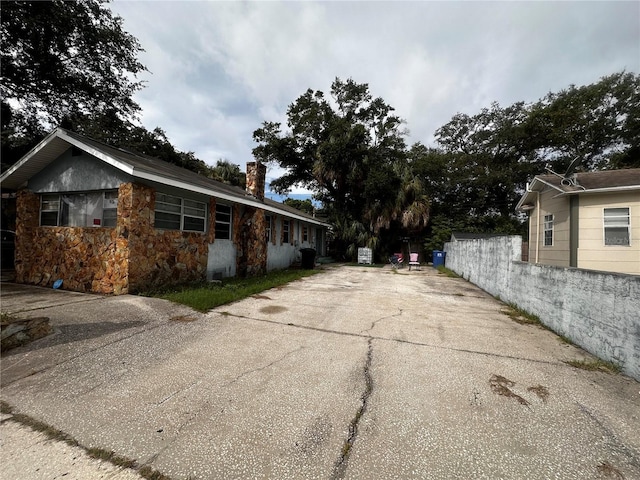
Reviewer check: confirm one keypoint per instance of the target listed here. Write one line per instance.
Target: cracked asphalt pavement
(354, 373)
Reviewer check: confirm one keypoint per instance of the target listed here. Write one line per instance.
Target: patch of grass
(111, 457)
(595, 365)
(567, 340)
(97, 453)
(204, 297)
(521, 316)
(449, 273)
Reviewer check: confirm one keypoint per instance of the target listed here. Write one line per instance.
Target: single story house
(109, 220)
(585, 220)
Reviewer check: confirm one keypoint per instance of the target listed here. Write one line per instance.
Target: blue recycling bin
(438, 258)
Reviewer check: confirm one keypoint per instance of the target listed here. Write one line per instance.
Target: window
(285, 231)
(305, 234)
(223, 222)
(168, 212)
(110, 209)
(548, 230)
(49, 208)
(85, 209)
(616, 226)
(175, 213)
(194, 216)
(267, 219)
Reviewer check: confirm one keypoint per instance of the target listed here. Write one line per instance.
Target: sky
(217, 70)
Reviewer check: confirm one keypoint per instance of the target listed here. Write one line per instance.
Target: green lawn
(204, 297)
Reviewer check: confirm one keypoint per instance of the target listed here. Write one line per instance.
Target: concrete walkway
(353, 373)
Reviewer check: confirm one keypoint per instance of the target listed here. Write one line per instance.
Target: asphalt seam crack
(393, 340)
(631, 455)
(341, 464)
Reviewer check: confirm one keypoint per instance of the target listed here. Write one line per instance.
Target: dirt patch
(501, 386)
(540, 391)
(182, 318)
(609, 471)
(273, 309)
(262, 297)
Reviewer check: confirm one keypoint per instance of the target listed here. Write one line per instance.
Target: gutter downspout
(538, 226)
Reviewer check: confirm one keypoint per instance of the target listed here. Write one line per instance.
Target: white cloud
(219, 69)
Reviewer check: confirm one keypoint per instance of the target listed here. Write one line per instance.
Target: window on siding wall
(175, 213)
(223, 222)
(285, 231)
(268, 234)
(548, 230)
(617, 225)
(305, 234)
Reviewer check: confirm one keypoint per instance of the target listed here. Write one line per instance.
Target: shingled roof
(142, 167)
(584, 183)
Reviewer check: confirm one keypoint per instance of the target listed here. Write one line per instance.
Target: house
(108, 220)
(585, 220)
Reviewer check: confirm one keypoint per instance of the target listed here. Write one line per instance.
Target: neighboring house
(586, 220)
(108, 220)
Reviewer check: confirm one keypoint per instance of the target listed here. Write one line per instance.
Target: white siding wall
(558, 253)
(592, 252)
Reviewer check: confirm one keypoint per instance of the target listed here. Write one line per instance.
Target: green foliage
(447, 272)
(351, 154)
(70, 64)
(595, 365)
(59, 59)
(302, 205)
(227, 172)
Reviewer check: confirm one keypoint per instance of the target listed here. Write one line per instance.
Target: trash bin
(308, 258)
(438, 258)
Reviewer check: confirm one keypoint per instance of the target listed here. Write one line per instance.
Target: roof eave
(250, 201)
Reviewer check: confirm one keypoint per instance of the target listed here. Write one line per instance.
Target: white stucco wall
(222, 259)
(76, 174)
(598, 311)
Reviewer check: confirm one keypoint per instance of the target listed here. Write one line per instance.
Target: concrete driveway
(353, 373)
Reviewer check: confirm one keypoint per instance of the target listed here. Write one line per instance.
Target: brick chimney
(256, 175)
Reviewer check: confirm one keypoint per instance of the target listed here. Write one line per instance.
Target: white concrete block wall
(598, 311)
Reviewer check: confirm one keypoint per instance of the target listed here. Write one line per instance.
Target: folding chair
(396, 261)
(413, 260)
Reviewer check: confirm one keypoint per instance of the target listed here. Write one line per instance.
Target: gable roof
(604, 181)
(141, 167)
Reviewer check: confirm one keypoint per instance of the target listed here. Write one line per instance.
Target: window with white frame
(110, 209)
(268, 234)
(223, 222)
(176, 213)
(49, 210)
(82, 209)
(285, 231)
(617, 226)
(548, 230)
(305, 234)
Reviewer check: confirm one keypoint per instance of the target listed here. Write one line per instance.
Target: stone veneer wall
(126, 259)
(250, 238)
(157, 258)
(86, 259)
